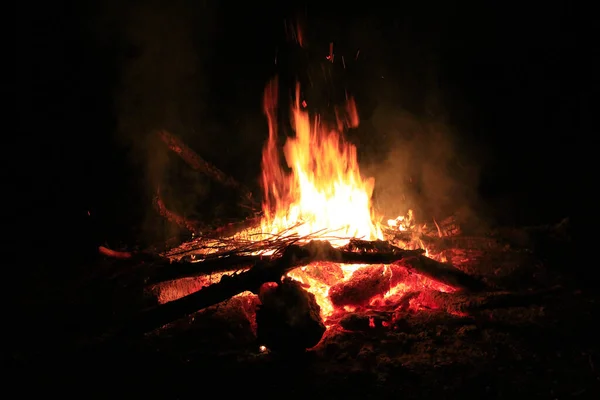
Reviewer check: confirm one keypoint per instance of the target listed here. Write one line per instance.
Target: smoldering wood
(168, 271)
(446, 274)
(273, 268)
(474, 308)
(473, 304)
(269, 269)
(367, 283)
(376, 252)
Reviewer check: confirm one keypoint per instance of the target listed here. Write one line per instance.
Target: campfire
(317, 259)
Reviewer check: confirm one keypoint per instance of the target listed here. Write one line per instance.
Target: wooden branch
(169, 271)
(201, 165)
(441, 272)
(173, 217)
(357, 251)
(271, 269)
(447, 274)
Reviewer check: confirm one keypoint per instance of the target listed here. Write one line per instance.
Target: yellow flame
(325, 191)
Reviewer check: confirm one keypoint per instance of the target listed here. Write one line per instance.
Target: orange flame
(324, 194)
(325, 191)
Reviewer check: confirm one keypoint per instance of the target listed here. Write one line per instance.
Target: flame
(323, 195)
(324, 192)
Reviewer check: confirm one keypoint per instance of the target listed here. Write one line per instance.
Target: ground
(544, 347)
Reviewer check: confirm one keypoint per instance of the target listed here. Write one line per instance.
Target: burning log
(422, 265)
(271, 269)
(327, 272)
(377, 252)
(201, 165)
(288, 319)
(367, 283)
(169, 271)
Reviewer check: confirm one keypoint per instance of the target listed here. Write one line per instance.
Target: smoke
(424, 168)
(167, 81)
(164, 49)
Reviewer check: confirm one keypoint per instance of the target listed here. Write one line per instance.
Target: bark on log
(272, 269)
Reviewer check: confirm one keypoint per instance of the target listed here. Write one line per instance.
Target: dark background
(502, 91)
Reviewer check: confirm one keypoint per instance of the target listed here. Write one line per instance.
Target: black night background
(469, 108)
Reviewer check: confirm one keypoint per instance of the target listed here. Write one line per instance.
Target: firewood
(366, 283)
(166, 270)
(271, 269)
(169, 271)
(443, 273)
(474, 303)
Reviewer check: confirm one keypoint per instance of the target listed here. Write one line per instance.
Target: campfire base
(531, 336)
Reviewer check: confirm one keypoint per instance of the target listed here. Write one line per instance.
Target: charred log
(444, 273)
(168, 271)
(288, 319)
(269, 269)
(315, 251)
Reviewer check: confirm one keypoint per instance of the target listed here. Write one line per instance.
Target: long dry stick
(201, 165)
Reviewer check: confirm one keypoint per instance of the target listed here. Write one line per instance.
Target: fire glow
(325, 192)
(324, 195)
(320, 197)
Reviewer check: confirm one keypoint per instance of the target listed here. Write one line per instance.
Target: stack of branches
(259, 262)
(254, 258)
